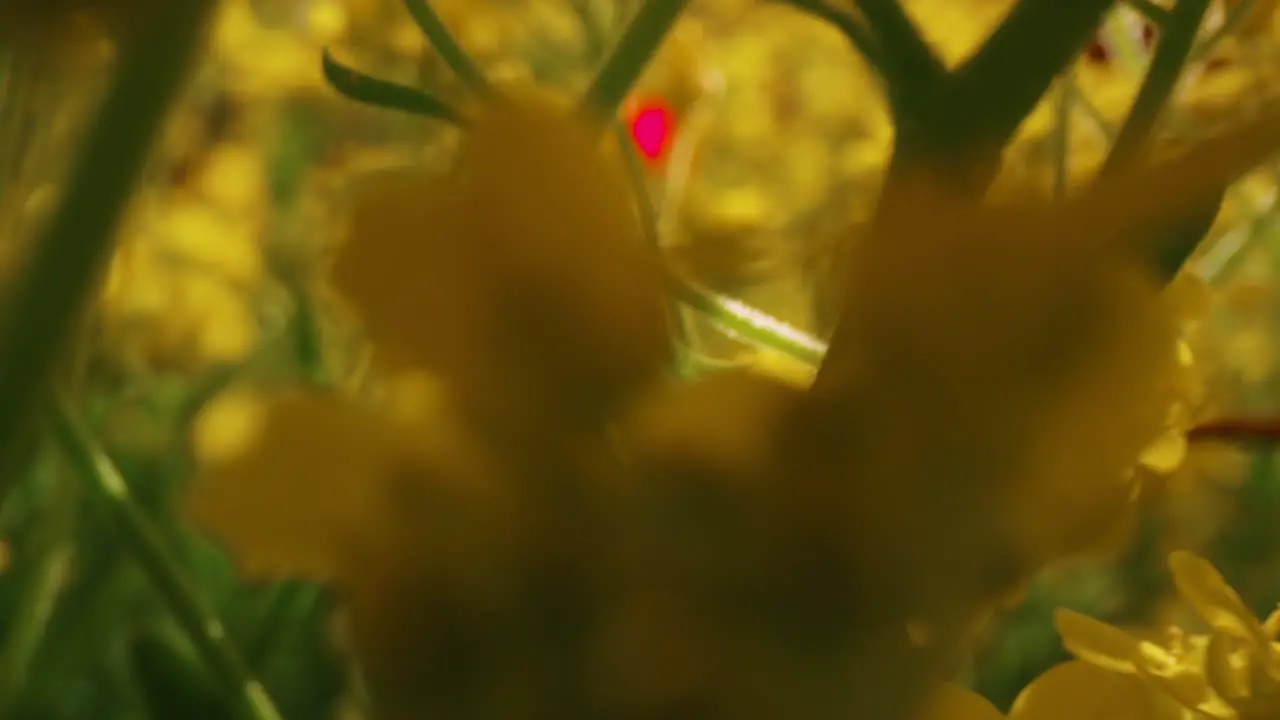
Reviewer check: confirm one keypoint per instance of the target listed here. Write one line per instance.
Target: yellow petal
(952, 702)
(1222, 673)
(1166, 454)
(780, 366)
(1077, 690)
(1097, 642)
(1217, 603)
(292, 484)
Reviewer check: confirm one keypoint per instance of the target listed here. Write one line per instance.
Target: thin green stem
(292, 605)
(43, 573)
(148, 545)
(442, 40)
(636, 47)
(732, 315)
(739, 319)
(913, 70)
(45, 305)
(979, 109)
(855, 31)
(1230, 24)
(649, 223)
(1176, 43)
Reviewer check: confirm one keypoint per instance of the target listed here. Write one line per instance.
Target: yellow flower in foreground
(1232, 673)
(520, 297)
(522, 277)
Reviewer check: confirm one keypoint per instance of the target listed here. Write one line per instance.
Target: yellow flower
(521, 313)
(1029, 368)
(521, 277)
(1232, 673)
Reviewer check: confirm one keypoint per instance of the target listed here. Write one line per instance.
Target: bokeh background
(763, 139)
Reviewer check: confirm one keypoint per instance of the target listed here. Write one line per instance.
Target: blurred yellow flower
(520, 311)
(482, 276)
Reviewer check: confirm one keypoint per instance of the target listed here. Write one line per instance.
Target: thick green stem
(48, 299)
(206, 631)
(912, 70)
(976, 112)
(629, 59)
(1176, 43)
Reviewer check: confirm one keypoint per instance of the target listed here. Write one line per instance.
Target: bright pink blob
(651, 128)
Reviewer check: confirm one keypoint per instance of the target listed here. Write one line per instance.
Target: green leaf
(373, 91)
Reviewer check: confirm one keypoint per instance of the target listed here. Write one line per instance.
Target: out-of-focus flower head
(521, 311)
(479, 276)
(1034, 371)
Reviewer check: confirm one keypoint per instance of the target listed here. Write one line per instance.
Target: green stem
(44, 574)
(744, 321)
(732, 315)
(858, 35)
(1230, 24)
(979, 109)
(442, 40)
(362, 88)
(649, 223)
(636, 47)
(1176, 43)
(283, 622)
(60, 277)
(207, 632)
(913, 70)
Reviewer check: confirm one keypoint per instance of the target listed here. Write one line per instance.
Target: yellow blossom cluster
(181, 291)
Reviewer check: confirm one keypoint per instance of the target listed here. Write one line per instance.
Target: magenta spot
(651, 130)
